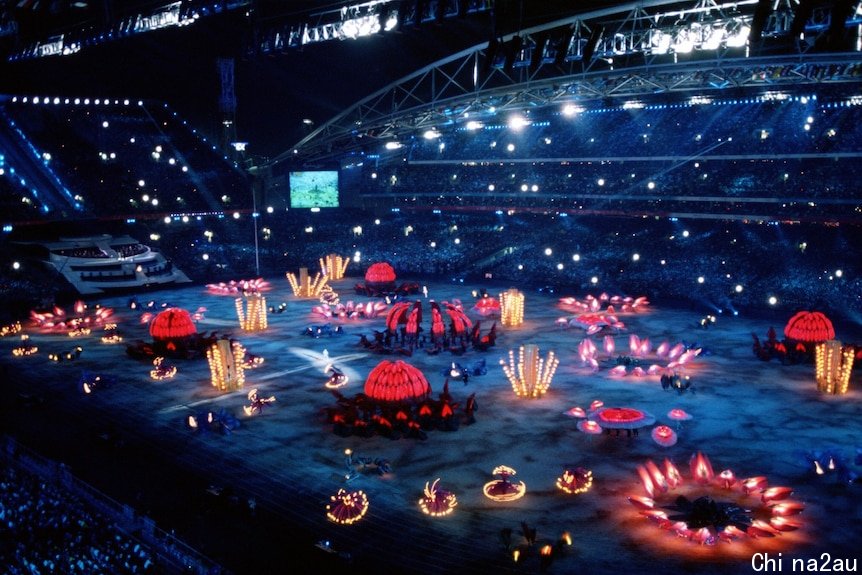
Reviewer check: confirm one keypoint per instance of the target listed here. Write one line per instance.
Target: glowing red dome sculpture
(809, 327)
(380, 276)
(396, 381)
(171, 324)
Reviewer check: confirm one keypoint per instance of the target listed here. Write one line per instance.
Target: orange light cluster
(772, 505)
(532, 375)
(24, 350)
(334, 266)
(69, 355)
(305, 287)
(161, 371)
(10, 329)
(252, 316)
(227, 365)
(347, 507)
(833, 364)
(574, 481)
(79, 332)
(437, 502)
(512, 308)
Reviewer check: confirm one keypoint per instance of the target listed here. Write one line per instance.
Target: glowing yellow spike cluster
(227, 365)
(532, 375)
(24, 350)
(252, 316)
(512, 308)
(334, 266)
(305, 287)
(10, 329)
(833, 364)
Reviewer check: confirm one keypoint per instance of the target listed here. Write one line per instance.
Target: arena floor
(132, 440)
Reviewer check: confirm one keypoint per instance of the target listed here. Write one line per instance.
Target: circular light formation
(502, 489)
(713, 508)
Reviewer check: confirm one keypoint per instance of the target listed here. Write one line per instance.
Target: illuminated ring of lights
(769, 518)
(519, 491)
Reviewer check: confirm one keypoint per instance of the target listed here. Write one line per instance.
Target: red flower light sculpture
(714, 508)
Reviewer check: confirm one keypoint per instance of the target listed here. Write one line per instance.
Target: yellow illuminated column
(532, 375)
(252, 317)
(226, 365)
(833, 364)
(334, 266)
(511, 308)
(305, 288)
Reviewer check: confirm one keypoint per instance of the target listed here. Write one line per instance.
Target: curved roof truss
(628, 51)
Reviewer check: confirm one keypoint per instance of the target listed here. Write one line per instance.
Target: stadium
(430, 286)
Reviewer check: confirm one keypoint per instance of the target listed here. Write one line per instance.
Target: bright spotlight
(518, 122)
(393, 145)
(431, 134)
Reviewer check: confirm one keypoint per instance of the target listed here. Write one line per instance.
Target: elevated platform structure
(103, 263)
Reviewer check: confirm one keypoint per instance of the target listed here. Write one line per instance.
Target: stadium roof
(288, 90)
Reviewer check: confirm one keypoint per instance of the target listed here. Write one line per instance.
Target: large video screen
(315, 189)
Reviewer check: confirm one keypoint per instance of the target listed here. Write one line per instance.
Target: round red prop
(380, 272)
(396, 381)
(809, 326)
(172, 323)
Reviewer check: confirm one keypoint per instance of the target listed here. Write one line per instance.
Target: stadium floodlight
(739, 38)
(517, 122)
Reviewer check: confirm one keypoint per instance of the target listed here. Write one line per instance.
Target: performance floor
(755, 418)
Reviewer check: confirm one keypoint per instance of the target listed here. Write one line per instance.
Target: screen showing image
(318, 189)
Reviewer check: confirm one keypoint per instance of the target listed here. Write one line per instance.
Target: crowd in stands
(47, 530)
(801, 264)
(764, 190)
(745, 126)
(127, 159)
